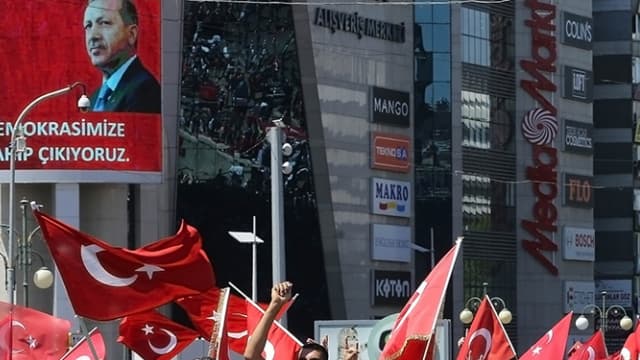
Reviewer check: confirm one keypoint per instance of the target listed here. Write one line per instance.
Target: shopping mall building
(511, 124)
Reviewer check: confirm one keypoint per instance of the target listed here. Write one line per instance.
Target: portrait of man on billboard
(111, 30)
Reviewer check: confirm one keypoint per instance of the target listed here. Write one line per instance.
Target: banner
(119, 139)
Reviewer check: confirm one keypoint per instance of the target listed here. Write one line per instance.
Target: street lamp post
(473, 303)
(18, 145)
(603, 311)
(254, 240)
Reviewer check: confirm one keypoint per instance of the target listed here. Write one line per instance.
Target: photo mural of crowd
(240, 72)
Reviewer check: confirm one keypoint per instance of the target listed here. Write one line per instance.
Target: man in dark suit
(111, 34)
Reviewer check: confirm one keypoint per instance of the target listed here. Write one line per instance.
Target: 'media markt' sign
(539, 128)
(390, 106)
(359, 25)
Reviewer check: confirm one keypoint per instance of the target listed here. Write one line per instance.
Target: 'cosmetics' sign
(539, 128)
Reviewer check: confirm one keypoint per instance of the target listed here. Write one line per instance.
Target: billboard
(391, 197)
(390, 152)
(391, 107)
(579, 243)
(116, 56)
(577, 30)
(390, 243)
(578, 84)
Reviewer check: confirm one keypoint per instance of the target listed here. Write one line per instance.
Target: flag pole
(219, 327)
(77, 344)
(85, 333)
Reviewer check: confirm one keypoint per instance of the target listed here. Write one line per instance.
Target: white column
(66, 200)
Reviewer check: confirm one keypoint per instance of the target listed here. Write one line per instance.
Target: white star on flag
(149, 269)
(33, 342)
(148, 329)
(537, 350)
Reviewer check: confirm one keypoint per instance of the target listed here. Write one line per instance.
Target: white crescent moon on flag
(173, 341)
(20, 325)
(486, 334)
(83, 357)
(592, 353)
(237, 335)
(269, 351)
(97, 271)
(549, 336)
(625, 354)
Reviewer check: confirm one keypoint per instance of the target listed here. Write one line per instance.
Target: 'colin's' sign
(390, 107)
(577, 31)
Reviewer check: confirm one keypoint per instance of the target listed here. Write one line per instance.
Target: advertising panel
(619, 292)
(579, 243)
(578, 137)
(578, 84)
(390, 243)
(390, 106)
(390, 152)
(116, 60)
(371, 336)
(390, 287)
(578, 191)
(391, 197)
(577, 295)
(577, 31)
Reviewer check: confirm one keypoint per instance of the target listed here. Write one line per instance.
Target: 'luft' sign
(539, 128)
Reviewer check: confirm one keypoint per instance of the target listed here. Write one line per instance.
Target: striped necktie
(103, 97)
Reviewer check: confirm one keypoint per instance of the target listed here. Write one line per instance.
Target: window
(476, 37)
(635, 69)
(487, 121)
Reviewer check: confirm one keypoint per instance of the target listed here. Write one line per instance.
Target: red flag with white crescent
(592, 349)
(106, 283)
(27, 334)
(552, 345)
(486, 338)
(200, 308)
(153, 336)
(414, 328)
(280, 345)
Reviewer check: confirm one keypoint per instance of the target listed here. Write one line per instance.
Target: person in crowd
(111, 39)
(280, 295)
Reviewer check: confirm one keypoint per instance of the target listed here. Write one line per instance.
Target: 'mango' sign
(539, 128)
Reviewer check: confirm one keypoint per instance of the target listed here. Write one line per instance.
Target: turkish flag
(32, 334)
(592, 349)
(552, 344)
(106, 283)
(82, 350)
(414, 328)
(630, 348)
(200, 308)
(154, 337)
(280, 345)
(486, 338)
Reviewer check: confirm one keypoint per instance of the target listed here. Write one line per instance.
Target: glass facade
(432, 133)
(487, 109)
(240, 71)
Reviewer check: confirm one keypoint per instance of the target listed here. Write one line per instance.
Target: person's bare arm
(280, 294)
